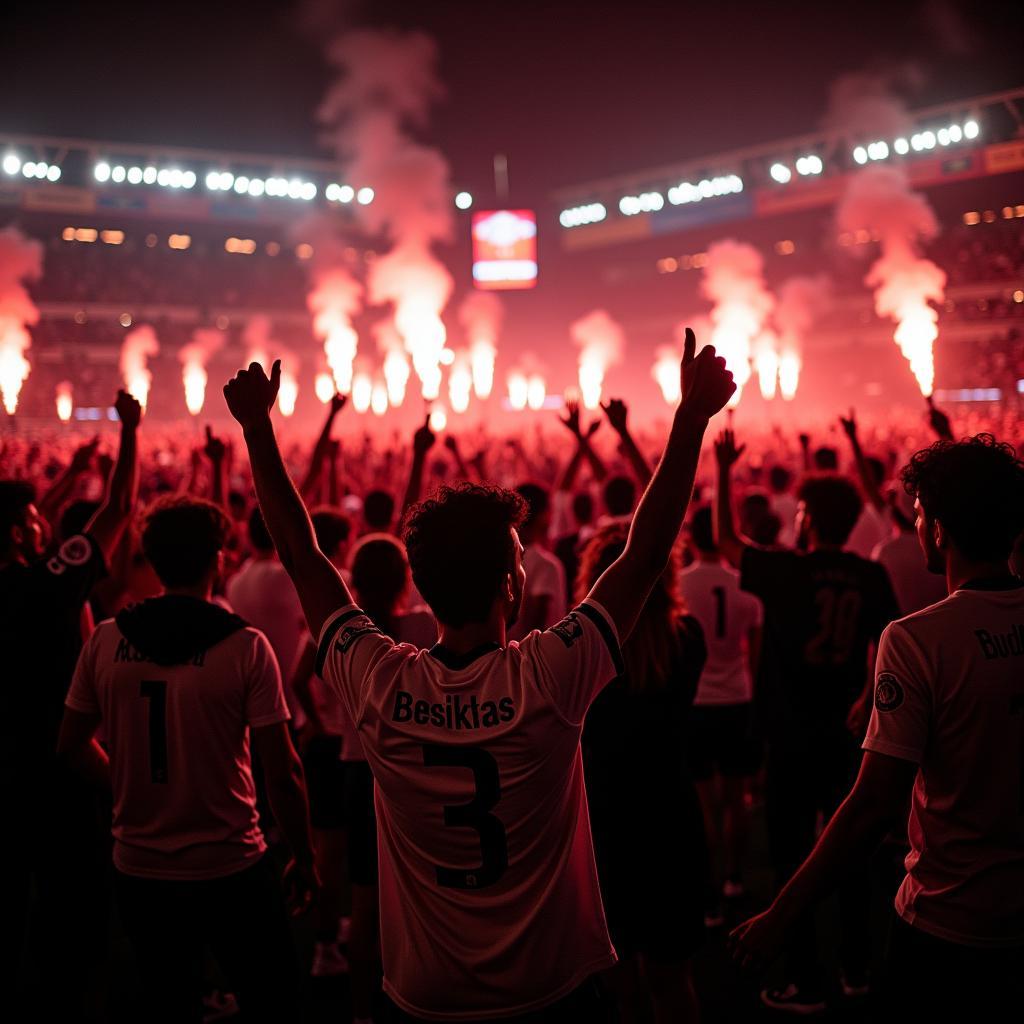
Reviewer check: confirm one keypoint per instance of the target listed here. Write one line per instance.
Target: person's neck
(709, 557)
(960, 570)
(263, 556)
(816, 545)
(202, 591)
(468, 638)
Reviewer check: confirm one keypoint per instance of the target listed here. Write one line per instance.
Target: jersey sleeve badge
(888, 692)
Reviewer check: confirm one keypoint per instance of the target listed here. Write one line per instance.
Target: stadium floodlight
(53, 173)
(810, 164)
(134, 175)
(346, 194)
(878, 150)
(971, 129)
(308, 191)
(928, 140)
(294, 188)
(860, 154)
(241, 184)
(576, 216)
(331, 193)
(257, 187)
(213, 180)
(943, 136)
(12, 163)
(29, 169)
(41, 168)
(118, 174)
(149, 175)
(901, 146)
(101, 172)
(365, 196)
(188, 179)
(227, 181)
(163, 177)
(956, 133)
(780, 172)
(463, 201)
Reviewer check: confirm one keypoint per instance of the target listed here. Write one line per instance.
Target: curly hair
(181, 538)
(460, 548)
(834, 505)
(975, 488)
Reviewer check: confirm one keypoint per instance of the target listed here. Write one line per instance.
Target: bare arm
(61, 489)
(452, 444)
(876, 802)
(302, 676)
(572, 422)
(623, 588)
(322, 591)
(78, 746)
(216, 451)
(112, 516)
(320, 449)
(422, 442)
(617, 413)
(868, 482)
(727, 539)
(939, 421)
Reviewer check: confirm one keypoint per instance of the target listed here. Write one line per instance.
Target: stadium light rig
(463, 200)
(707, 188)
(920, 142)
(589, 213)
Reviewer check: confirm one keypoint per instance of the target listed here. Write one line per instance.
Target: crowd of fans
(229, 682)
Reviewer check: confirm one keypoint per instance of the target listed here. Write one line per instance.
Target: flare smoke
(801, 302)
(136, 349)
(481, 314)
(21, 259)
(601, 343)
(880, 200)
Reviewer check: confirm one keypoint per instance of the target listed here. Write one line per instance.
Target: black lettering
(987, 647)
(448, 711)
(437, 715)
(1015, 642)
(475, 708)
(490, 710)
(422, 712)
(403, 707)
(461, 715)
(508, 709)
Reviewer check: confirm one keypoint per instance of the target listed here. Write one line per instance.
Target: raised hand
(451, 444)
(214, 449)
(338, 402)
(706, 383)
(571, 420)
(593, 429)
(250, 394)
(756, 942)
(129, 412)
(939, 421)
(849, 425)
(805, 441)
(301, 885)
(726, 452)
(83, 456)
(424, 438)
(616, 411)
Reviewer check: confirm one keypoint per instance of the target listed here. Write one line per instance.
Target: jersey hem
(274, 719)
(190, 876)
(914, 920)
(574, 982)
(81, 706)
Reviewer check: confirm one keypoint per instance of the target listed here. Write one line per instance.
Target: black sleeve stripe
(330, 634)
(606, 632)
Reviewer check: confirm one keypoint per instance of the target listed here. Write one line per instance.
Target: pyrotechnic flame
(362, 391)
(21, 259)
(482, 356)
(880, 199)
(518, 390)
(137, 347)
(766, 362)
(379, 399)
(536, 391)
(789, 375)
(460, 382)
(334, 300)
(666, 372)
(65, 402)
(323, 387)
(194, 357)
(481, 314)
(438, 420)
(288, 392)
(396, 376)
(601, 343)
(734, 282)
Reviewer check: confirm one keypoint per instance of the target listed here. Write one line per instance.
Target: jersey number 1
(475, 815)
(155, 691)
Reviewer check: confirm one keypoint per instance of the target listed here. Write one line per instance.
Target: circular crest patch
(888, 692)
(75, 550)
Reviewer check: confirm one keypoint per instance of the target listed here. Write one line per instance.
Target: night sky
(570, 91)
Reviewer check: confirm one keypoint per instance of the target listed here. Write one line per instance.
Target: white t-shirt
(178, 736)
(726, 614)
(785, 506)
(949, 696)
(263, 594)
(904, 561)
(870, 530)
(545, 577)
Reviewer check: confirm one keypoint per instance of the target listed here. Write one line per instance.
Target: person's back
(954, 673)
(915, 586)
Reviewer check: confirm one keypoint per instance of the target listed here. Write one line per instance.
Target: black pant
(802, 780)
(241, 919)
(930, 979)
(587, 1004)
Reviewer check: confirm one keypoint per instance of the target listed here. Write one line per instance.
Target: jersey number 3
(475, 815)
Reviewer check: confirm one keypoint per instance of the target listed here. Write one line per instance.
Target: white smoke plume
(601, 342)
(880, 200)
(802, 301)
(334, 299)
(871, 104)
(21, 259)
(257, 340)
(384, 91)
(193, 358)
(138, 346)
(734, 282)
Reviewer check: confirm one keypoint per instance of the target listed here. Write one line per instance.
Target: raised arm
(623, 588)
(322, 447)
(868, 483)
(727, 539)
(617, 414)
(322, 591)
(452, 444)
(112, 516)
(939, 421)
(61, 489)
(216, 451)
(422, 442)
(571, 422)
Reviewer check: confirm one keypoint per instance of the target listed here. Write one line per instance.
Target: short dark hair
(537, 502)
(583, 507)
(181, 538)
(378, 510)
(834, 505)
(826, 459)
(332, 528)
(766, 529)
(460, 548)
(975, 488)
(259, 535)
(619, 496)
(15, 498)
(701, 531)
(380, 576)
(779, 479)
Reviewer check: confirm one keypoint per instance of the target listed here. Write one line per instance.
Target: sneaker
(714, 917)
(793, 1000)
(733, 889)
(853, 985)
(219, 1006)
(328, 961)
